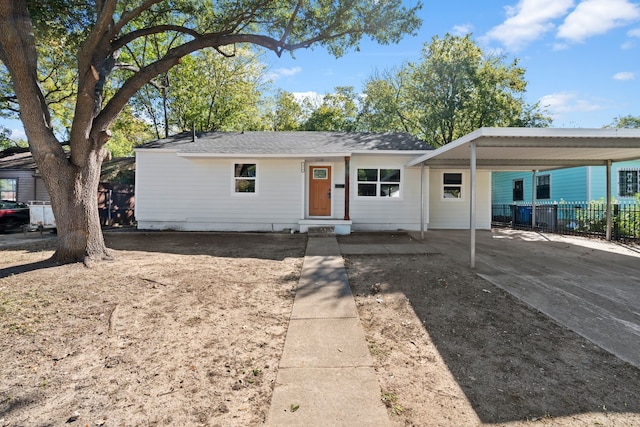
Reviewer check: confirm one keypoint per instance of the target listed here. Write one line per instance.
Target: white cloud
(18, 133)
(527, 21)
(282, 72)
(462, 30)
(567, 102)
(593, 17)
(314, 97)
(634, 33)
(624, 75)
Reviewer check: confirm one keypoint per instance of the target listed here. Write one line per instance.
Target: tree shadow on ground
(229, 245)
(512, 362)
(25, 268)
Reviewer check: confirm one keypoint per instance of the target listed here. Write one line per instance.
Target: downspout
(472, 205)
(589, 171)
(347, 163)
(608, 232)
(533, 199)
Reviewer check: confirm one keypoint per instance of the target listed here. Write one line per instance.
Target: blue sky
(582, 56)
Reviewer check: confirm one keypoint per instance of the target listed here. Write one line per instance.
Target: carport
(532, 149)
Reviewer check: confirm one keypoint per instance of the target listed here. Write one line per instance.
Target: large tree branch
(130, 15)
(129, 37)
(18, 53)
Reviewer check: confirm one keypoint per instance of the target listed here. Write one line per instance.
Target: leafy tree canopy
(626, 122)
(454, 89)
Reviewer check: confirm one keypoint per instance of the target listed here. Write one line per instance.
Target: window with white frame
(244, 175)
(378, 182)
(543, 187)
(628, 182)
(8, 188)
(452, 185)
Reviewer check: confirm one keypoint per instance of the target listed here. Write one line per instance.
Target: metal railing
(578, 218)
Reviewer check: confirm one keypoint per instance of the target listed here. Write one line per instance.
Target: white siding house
(279, 181)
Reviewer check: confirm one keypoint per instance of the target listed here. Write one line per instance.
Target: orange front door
(320, 191)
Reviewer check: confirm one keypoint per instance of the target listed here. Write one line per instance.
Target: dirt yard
(186, 329)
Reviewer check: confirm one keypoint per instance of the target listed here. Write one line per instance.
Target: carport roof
(535, 149)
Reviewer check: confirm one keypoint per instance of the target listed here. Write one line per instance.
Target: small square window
(320, 173)
(8, 189)
(628, 183)
(245, 177)
(452, 186)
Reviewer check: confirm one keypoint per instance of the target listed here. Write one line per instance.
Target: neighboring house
(579, 184)
(278, 181)
(21, 181)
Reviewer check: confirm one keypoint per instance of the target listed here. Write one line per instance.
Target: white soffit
(536, 148)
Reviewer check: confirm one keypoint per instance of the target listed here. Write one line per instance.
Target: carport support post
(608, 232)
(472, 204)
(533, 200)
(422, 201)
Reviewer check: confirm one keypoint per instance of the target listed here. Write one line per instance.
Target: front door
(320, 191)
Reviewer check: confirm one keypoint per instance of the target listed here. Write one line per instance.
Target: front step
(326, 227)
(321, 231)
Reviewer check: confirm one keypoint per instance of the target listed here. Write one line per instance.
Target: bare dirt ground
(181, 330)
(452, 349)
(186, 329)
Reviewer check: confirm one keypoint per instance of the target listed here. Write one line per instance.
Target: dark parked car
(13, 215)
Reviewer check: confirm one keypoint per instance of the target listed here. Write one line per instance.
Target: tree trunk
(73, 191)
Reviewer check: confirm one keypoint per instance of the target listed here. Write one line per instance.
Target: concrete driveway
(589, 286)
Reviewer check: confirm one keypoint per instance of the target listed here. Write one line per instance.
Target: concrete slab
(375, 249)
(323, 290)
(321, 343)
(589, 286)
(337, 397)
(322, 246)
(324, 299)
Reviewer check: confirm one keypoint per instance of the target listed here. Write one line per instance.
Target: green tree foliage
(98, 51)
(454, 89)
(626, 122)
(286, 114)
(127, 132)
(337, 112)
(5, 140)
(383, 107)
(214, 93)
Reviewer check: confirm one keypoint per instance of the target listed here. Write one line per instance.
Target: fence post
(554, 228)
(513, 216)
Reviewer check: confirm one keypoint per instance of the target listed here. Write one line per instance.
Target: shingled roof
(287, 143)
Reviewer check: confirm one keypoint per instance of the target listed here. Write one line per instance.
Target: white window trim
(462, 187)
(378, 196)
(233, 177)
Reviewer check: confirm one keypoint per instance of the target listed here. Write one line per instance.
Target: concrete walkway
(326, 375)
